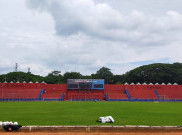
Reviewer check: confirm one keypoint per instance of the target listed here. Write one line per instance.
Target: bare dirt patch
(90, 133)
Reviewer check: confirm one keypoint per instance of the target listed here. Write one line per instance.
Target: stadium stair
(107, 97)
(62, 98)
(41, 93)
(158, 94)
(128, 94)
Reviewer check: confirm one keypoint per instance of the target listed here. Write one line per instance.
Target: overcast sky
(84, 35)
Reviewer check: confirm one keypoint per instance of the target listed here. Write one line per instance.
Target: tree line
(154, 73)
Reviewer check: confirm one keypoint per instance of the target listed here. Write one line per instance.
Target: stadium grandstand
(90, 90)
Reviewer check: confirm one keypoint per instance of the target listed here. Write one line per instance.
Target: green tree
(106, 74)
(21, 77)
(71, 75)
(155, 73)
(117, 79)
(54, 77)
(158, 72)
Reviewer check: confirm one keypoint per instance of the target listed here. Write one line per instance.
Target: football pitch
(87, 113)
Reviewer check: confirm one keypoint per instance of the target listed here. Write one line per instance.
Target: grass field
(86, 113)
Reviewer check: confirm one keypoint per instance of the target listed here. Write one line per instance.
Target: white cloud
(102, 21)
(85, 35)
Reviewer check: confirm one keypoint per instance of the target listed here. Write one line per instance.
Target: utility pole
(28, 69)
(16, 67)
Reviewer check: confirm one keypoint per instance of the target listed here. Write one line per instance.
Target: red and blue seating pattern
(84, 95)
(141, 91)
(115, 91)
(54, 91)
(20, 90)
(111, 92)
